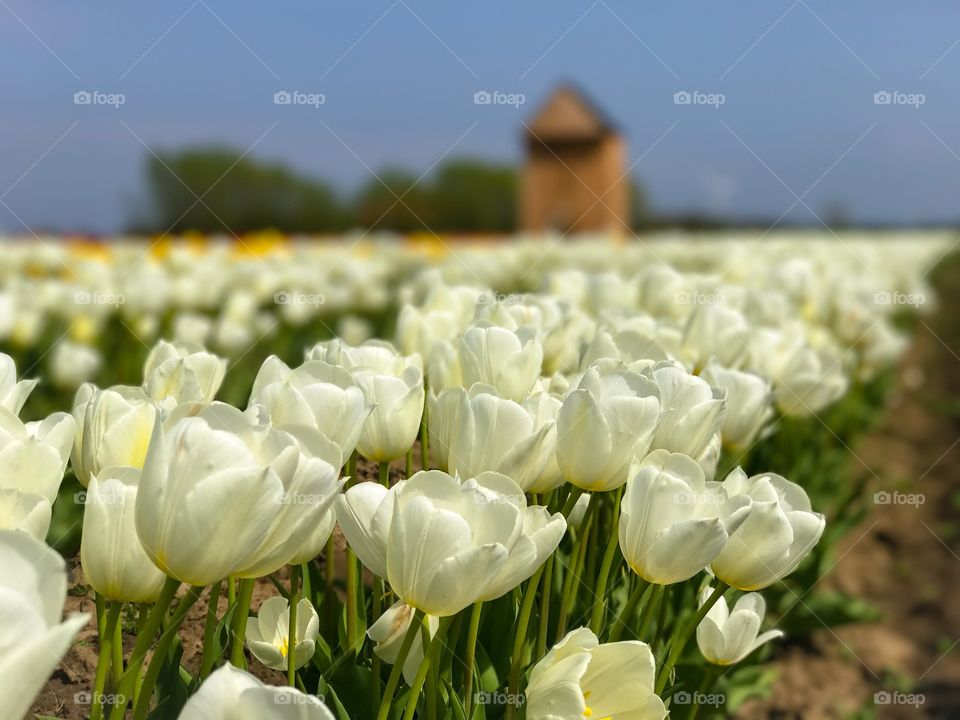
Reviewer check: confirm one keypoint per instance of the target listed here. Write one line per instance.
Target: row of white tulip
(582, 422)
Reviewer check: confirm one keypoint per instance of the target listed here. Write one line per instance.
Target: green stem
(520, 640)
(424, 671)
(626, 615)
(470, 653)
(397, 670)
(572, 578)
(129, 681)
(709, 676)
(680, 642)
(110, 623)
(650, 610)
(329, 576)
(351, 560)
(425, 431)
(231, 593)
(240, 617)
(543, 621)
(375, 602)
(163, 649)
(292, 625)
(385, 473)
(116, 667)
(572, 498)
(408, 466)
(209, 629)
(600, 601)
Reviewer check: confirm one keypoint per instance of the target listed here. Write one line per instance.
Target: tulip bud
(114, 562)
(508, 360)
(388, 633)
(725, 637)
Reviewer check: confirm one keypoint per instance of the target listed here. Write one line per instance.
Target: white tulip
(208, 499)
(508, 360)
(182, 373)
(113, 428)
(690, 411)
(13, 394)
(580, 677)
(477, 430)
(268, 634)
(114, 562)
(669, 525)
(715, 332)
(72, 364)
(33, 587)
(388, 632)
(772, 529)
(33, 455)
(608, 418)
(748, 404)
(425, 534)
(232, 694)
(29, 513)
(317, 395)
(726, 637)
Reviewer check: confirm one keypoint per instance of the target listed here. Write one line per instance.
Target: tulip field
(404, 478)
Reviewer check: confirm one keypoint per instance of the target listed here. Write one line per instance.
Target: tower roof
(569, 114)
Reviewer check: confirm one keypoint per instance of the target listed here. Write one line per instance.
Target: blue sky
(398, 76)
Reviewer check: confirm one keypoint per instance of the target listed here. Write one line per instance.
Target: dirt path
(904, 558)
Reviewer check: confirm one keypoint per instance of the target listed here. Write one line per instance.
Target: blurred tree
(394, 200)
(473, 196)
(239, 195)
